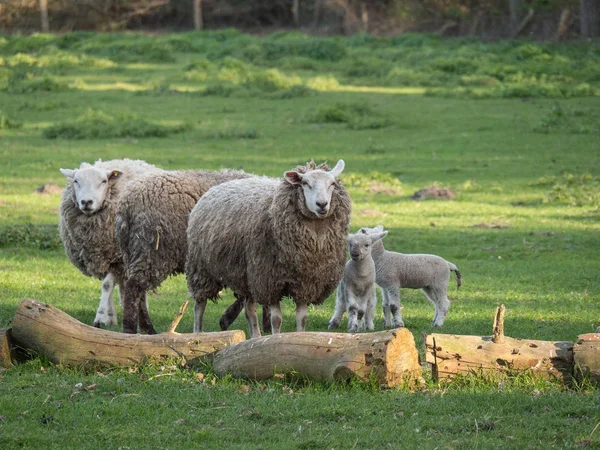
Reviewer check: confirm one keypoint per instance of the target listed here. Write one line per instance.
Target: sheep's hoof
(223, 324)
(333, 325)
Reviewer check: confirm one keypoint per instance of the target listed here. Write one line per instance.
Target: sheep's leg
(106, 315)
(199, 308)
(250, 311)
(266, 319)
(393, 298)
(276, 318)
(439, 298)
(232, 312)
(144, 319)
(301, 316)
(370, 312)
(340, 308)
(131, 297)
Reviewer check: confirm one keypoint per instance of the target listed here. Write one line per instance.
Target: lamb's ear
(69, 173)
(378, 236)
(363, 231)
(378, 228)
(113, 174)
(338, 169)
(292, 177)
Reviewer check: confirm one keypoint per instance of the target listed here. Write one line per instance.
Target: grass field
(512, 127)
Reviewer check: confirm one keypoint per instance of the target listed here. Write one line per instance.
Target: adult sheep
(269, 238)
(87, 228)
(151, 224)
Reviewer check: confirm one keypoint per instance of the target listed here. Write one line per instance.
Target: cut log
(586, 354)
(49, 332)
(451, 354)
(390, 356)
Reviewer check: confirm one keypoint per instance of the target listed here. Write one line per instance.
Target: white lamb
(356, 291)
(429, 273)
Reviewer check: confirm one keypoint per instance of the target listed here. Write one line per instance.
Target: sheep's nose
(322, 204)
(86, 204)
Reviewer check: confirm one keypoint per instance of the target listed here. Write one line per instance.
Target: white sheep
(356, 291)
(86, 224)
(269, 238)
(430, 273)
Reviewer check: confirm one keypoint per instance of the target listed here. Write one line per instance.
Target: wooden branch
(586, 355)
(177, 318)
(563, 24)
(390, 356)
(446, 27)
(523, 24)
(45, 330)
(498, 328)
(450, 355)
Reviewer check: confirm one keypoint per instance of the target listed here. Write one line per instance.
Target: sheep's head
(317, 187)
(91, 186)
(360, 244)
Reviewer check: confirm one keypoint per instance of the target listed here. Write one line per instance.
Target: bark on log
(586, 354)
(391, 356)
(49, 332)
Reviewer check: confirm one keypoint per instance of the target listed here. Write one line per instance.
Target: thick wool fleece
(89, 241)
(257, 237)
(151, 226)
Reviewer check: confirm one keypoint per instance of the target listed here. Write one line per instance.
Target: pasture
(513, 128)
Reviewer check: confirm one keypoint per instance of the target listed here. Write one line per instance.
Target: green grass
(508, 126)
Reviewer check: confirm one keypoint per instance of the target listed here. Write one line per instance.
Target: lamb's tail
(454, 269)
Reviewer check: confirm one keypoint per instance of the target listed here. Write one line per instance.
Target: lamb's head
(374, 230)
(317, 187)
(91, 186)
(360, 244)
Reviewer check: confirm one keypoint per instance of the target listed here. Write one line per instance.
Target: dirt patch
(441, 193)
(49, 189)
(372, 213)
(377, 187)
(490, 225)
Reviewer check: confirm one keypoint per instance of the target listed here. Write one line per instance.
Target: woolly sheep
(356, 291)
(151, 224)
(430, 273)
(268, 238)
(86, 224)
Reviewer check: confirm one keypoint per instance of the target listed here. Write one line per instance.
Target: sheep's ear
(113, 174)
(292, 177)
(69, 173)
(378, 236)
(338, 169)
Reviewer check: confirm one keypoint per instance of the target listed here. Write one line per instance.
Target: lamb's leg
(232, 312)
(301, 316)
(106, 315)
(355, 313)
(250, 311)
(393, 296)
(370, 312)
(340, 308)
(387, 315)
(439, 297)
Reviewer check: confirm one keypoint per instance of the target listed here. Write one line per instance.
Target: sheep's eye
(103, 181)
(75, 182)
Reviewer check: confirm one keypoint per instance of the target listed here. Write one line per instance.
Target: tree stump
(45, 330)
(390, 356)
(450, 354)
(586, 355)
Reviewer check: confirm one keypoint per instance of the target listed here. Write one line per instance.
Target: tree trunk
(45, 330)
(450, 355)
(317, 16)
(364, 17)
(586, 353)
(563, 24)
(390, 356)
(198, 22)
(589, 13)
(296, 12)
(44, 15)
(516, 8)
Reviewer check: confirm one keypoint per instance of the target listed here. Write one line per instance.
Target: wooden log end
(402, 359)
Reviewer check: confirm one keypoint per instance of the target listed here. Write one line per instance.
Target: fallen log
(42, 329)
(390, 356)
(586, 355)
(450, 355)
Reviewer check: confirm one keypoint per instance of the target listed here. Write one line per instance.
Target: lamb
(151, 224)
(356, 291)
(267, 238)
(430, 273)
(86, 224)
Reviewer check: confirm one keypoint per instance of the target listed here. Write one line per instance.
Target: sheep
(86, 224)
(151, 223)
(356, 291)
(430, 273)
(268, 238)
